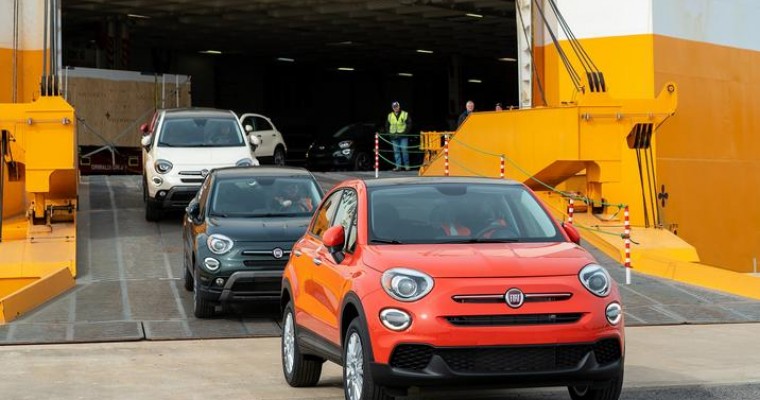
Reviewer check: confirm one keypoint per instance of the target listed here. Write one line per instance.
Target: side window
(345, 216)
(324, 214)
(262, 125)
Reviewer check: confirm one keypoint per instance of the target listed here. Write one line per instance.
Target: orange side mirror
(334, 237)
(572, 232)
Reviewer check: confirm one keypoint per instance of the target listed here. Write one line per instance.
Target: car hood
(184, 158)
(259, 229)
(498, 260)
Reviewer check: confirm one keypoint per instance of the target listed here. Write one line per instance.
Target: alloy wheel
(288, 344)
(354, 367)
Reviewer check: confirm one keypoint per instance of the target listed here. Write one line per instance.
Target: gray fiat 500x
(238, 232)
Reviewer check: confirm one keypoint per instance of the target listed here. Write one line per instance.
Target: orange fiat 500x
(448, 282)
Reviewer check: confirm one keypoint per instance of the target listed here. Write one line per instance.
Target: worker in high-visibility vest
(398, 125)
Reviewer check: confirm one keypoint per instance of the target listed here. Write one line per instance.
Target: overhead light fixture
(345, 69)
(344, 43)
(508, 59)
(404, 74)
(474, 15)
(285, 59)
(210, 52)
(474, 81)
(425, 51)
(138, 16)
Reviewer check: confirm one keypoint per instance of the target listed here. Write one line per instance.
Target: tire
(357, 380)
(363, 162)
(202, 308)
(278, 158)
(609, 392)
(299, 370)
(189, 281)
(152, 211)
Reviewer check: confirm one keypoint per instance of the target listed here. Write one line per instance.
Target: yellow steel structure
(597, 150)
(38, 202)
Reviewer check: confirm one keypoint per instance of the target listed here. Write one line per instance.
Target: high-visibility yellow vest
(397, 124)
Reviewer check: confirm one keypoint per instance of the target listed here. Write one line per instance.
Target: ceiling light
(285, 59)
(508, 59)
(345, 69)
(425, 51)
(210, 52)
(138, 16)
(404, 74)
(474, 15)
(474, 81)
(344, 43)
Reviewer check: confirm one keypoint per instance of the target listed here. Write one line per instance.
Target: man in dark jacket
(468, 110)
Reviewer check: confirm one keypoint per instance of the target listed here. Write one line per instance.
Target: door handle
(317, 260)
(297, 253)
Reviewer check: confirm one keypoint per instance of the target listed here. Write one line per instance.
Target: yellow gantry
(38, 201)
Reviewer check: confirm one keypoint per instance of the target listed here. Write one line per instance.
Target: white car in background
(272, 148)
(183, 146)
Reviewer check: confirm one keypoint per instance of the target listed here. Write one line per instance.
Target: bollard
(446, 156)
(627, 236)
(377, 154)
(570, 211)
(501, 166)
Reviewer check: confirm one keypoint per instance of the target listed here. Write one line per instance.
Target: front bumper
(507, 366)
(176, 197)
(242, 286)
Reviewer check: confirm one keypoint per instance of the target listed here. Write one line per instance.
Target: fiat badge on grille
(514, 297)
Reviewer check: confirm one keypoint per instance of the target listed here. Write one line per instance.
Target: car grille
(192, 180)
(514, 320)
(265, 264)
(505, 359)
(259, 285)
(499, 298)
(182, 196)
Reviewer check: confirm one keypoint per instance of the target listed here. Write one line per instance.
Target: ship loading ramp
(38, 201)
(598, 154)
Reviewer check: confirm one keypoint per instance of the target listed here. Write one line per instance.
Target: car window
(264, 196)
(345, 216)
(451, 212)
(202, 196)
(261, 124)
(324, 214)
(200, 132)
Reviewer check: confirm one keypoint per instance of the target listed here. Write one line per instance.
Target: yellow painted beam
(32, 292)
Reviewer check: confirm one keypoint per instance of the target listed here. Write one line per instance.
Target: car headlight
(345, 144)
(246, 162)
(405, 284)
(596, 279)
(163, 166)
(219, 244)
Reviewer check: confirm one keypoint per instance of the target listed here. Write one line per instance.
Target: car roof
(416, 180)
(233, 172)
(198, 111)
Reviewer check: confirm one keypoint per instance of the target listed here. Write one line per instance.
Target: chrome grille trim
(194, 173)
(499, 298)
(262, 252)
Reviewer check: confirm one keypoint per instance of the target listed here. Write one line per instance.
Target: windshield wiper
(385, 241)
(480, 240)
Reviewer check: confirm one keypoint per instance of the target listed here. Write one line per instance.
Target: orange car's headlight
(406, 284)
(596, 280)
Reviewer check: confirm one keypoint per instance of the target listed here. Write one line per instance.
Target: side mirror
(333, 239)
(146, 140)
(193, 210)
(144, 128)
(254, 140)
(572, 232)
(248, 128)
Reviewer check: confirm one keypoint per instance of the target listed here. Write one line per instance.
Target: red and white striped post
(446, 155)
(501, 166)
(570, 211)
(627, 237)
(377, 154)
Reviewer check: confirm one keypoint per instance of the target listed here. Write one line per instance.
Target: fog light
(346, 152)
(219, 281)
(394, 319)
(161, 194)
(157, 180)
(212, 264)
(614, 313)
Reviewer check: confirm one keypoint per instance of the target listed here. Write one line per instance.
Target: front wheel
(609, 392)
(152, 210)
(363, 162)
(202, 308)
(357, 380)
(299, 370)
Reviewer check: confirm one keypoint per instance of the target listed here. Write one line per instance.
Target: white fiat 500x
(184, 145)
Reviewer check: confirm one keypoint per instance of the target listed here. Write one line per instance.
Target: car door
(332, 277)
(265, 130)
(193, 228)
(307, 305)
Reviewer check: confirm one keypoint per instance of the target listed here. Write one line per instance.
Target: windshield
(200, 132)
(458, 213)
(264, 196)
(345, 132)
